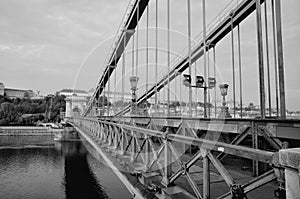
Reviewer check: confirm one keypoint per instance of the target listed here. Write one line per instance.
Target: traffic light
(199, 81)
(187, 80)
(211, 82)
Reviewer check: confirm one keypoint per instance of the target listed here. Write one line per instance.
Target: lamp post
(224, 109)
(133, 83)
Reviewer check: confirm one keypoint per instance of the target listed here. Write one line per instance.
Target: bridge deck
(155, 165)
(126, 172)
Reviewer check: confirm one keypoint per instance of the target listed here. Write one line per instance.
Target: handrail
(259, 120)
(241, 151)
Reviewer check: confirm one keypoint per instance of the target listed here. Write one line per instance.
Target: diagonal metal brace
(237, 192)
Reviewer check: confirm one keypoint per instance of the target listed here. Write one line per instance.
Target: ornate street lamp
(133, 83)
(224, 109)
(224, 89)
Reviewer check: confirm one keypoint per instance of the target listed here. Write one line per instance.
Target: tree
(28, 112)
(8, 113)
(58, 105)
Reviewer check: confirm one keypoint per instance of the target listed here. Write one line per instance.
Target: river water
(35, 167)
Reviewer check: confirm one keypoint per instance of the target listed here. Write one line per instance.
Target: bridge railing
(157, 150)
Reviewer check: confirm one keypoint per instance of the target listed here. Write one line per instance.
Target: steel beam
(254, 184)
(167, 160)
(254, 154)
(269, 139)
(221, 169)
(206, 177)
(239, 138)
(184, 166)
(194, 187)
(260, 60)
(130, 23)
(280, 58)
(255, 170)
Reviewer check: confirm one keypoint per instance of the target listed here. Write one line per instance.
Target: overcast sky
(43, 43)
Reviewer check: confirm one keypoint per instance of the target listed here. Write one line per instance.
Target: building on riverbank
(14, 93)
(73, 92)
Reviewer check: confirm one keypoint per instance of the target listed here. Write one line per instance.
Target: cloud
(43, 42)
(52, 36)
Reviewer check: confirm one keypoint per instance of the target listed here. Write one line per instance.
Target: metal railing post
(105, 133)
(147, 152)
(255, 146)
(133, 147)
(287, 159)
(115, 137)
(206, 177)
(167, 159)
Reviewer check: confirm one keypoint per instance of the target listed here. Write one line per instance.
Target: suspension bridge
(174, 141)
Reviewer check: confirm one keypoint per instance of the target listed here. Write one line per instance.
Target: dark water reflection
(77, 172)
(65, 170)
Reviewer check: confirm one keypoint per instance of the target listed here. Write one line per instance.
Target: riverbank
(31, 130)
(31, 135)
(26, 130)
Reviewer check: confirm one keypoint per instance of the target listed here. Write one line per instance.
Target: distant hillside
(27, 111)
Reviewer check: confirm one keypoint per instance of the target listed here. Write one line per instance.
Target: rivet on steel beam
(231, 14)
(184, 170)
